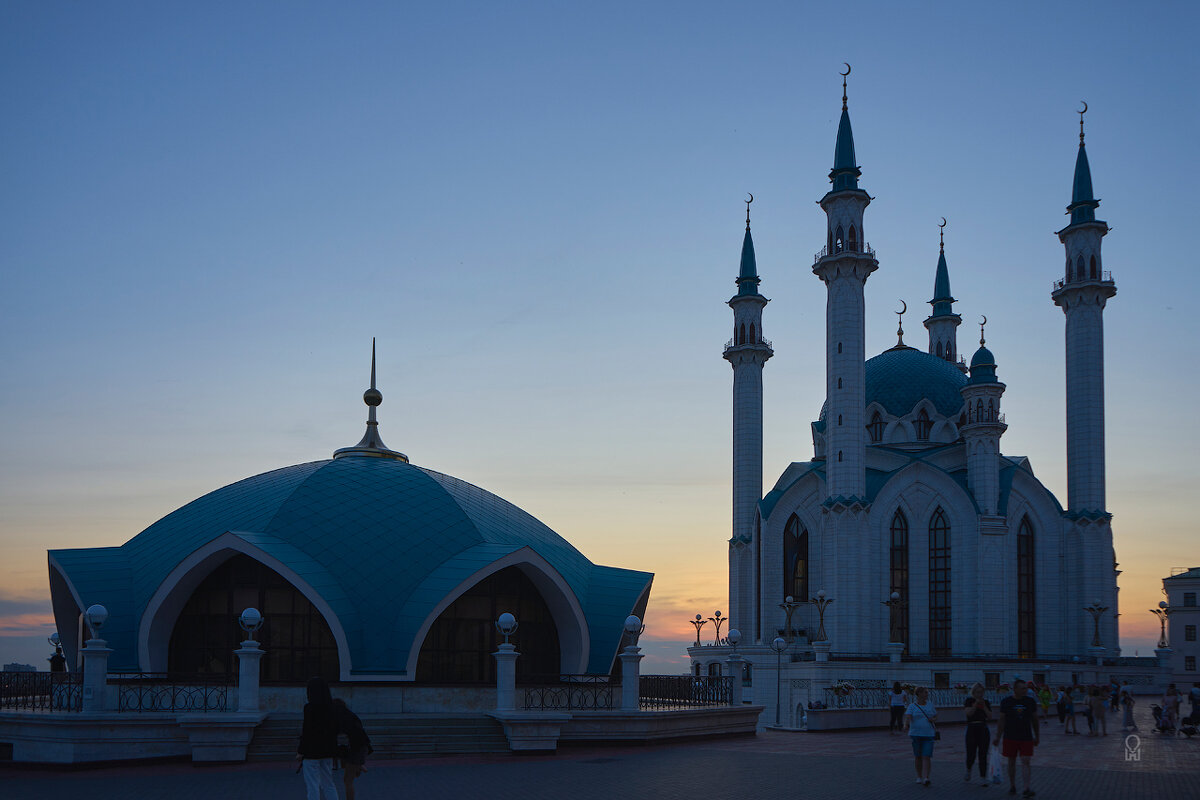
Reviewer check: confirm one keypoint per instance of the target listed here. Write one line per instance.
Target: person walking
(1170, 710)
(1060, 705)
(978, 736)
(1043, 698)
(318, 742)
(897, 702)
(1127, 703)
(354, 764)
(1018, 733)
(1098, 703)
(1194, 696)
(1069, 711)
(919, 720)
(1087, 709)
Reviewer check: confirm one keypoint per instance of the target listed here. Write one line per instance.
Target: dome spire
(371, 444)
(748, 279)
(900, 326)
(845, 172)
(1083, 201)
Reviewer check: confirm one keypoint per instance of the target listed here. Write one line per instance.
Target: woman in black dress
(318, 742)
(979, 738)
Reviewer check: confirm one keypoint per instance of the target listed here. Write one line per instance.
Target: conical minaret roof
(748, 279)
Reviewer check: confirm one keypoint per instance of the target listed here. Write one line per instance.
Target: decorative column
(249, 661)
(506, 664)
(95, 663)
(631, 667)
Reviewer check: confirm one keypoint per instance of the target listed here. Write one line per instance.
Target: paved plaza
(866, 764)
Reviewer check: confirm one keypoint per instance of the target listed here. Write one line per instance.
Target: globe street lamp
(821, 602)
(699, 622)
(1162, 612)
(1097, 611)
(778, 644)
(58, 662)
(789, 606)
(717, 620)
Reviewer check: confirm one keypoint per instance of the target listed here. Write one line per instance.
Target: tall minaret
(746, 352)
(984, 426)
(1082, 295)
(844, 265)
(943, 323)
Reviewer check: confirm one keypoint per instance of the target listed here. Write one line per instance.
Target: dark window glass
(795, 560)
(991, 680)
(1092, 267)
(296, 638)
(753, 338)
(875, 428)
(923, 426)
(1189, 633)
(714, 669)
(1189, 599)
(459, 645)
(837, 240)
(852, 242)
(1189, 663)
(899, 572)
(1026, 591)
(939, 584)
(941, 680)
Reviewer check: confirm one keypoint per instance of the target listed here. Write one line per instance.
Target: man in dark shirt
(1017, 733)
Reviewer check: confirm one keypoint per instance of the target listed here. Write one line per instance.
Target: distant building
(1182, 589)
(15, 667)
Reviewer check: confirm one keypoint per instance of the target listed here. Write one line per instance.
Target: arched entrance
(460, 643)
(296, 638)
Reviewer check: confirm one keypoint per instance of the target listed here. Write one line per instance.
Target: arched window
(714, 669)
(875, 428)
(939, 584)
(852, 242)
(459, 644)
(696, 670)
(939, 349)
(979, 411)
(923, 426)
(839, 347)
(1079, 273)
(991, 409)
(741, 337)
(949, 351)
(899, 571)
(837, 240)
(839, 420)
(839, 456)
(1092, 269)
(753, 338)
(1068, 268)
(206, 633)
(795, 560)
(839, 383)
(1026, 591)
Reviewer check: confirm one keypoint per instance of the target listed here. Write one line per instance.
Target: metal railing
(665, 692)
(880, 698)
(1105, 277)
(570, 693)
(146, 691)
(41, 691)
(766, 342)
(860, 248)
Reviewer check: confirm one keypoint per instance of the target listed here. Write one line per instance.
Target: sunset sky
(207, 210)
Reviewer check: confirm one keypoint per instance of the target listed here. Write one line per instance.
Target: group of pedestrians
(1169, 719)
(318, 751)
(1017, 731)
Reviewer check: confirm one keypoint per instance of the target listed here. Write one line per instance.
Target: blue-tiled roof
(371, 535)
(900, 378)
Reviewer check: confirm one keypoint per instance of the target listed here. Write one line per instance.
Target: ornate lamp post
(699, 622)
(1097, 611)
(58, 662)
(1162, 612)
(778, 644)
(789, 606)
(821, 602)
(893, 604)
(717, 620)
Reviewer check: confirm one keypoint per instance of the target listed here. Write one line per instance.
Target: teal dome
(983, 366)
(983, 358)
(900, 378)
(381, 540)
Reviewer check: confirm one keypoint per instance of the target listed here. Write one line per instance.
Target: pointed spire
(942, 300)
(371, 444)
(1083, 202)
(900, 324)
(748, 279)
(983, 363)
(845, 171)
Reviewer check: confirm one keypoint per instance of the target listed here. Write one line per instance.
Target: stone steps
(392, 735)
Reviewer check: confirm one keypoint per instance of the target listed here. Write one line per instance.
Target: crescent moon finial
(903, 308)
(942, 235)
(943, 223)
(1081, 113)
(900, 323)
(981, 324)
(844, 74)
(748, 202)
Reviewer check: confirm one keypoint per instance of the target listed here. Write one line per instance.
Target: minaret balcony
(1105, 277)
(761, 343)
(855, 248)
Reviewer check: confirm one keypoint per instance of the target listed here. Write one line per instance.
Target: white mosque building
(908, 496)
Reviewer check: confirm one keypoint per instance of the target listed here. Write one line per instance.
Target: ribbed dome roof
(900, 378)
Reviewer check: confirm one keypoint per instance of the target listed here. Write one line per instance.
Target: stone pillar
(894, 649)
(631, 682)
(95, 676)
(1096, 654)
(249, 658)
(506, 676)
(734, 663)
(822, 650)
(1164, 659)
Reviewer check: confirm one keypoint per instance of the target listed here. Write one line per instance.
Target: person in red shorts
(1017, 734)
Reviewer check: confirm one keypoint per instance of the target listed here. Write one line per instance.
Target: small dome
(983, 358)
(983, 366)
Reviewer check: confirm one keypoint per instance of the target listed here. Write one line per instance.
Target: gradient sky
(208, 210)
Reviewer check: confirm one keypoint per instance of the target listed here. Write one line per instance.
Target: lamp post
(1097, 611)
(1162, 612)
(789, 606)
(249, 660)
(506, 663)
(717, 620)
(58, 662)
(631, 657)
(778, 644)
(821, 602)
(699, 622)
(893, 604)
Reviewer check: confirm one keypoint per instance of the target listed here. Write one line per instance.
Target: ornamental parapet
(849, 248)
(1062, 283)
